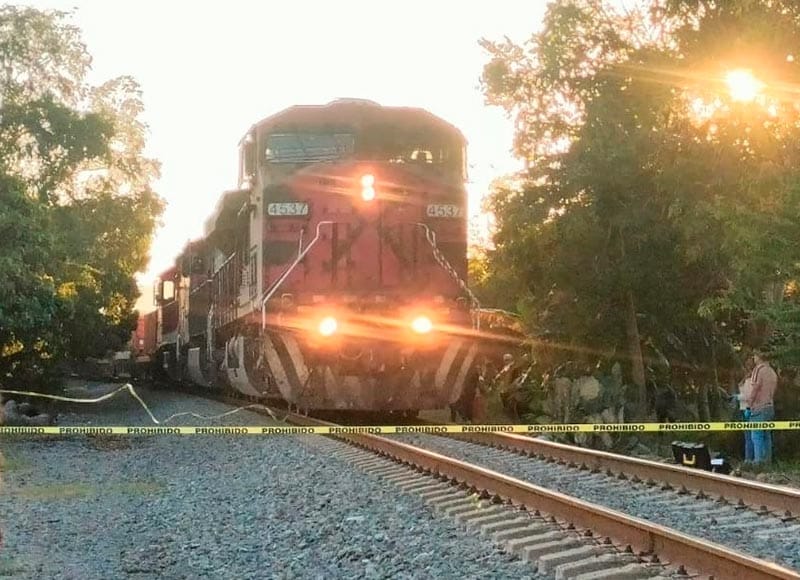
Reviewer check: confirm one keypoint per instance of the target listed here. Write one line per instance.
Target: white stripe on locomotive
(462, 373)
(447, 362)
(276, 368)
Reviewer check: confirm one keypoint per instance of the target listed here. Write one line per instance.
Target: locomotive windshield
(417, 147)
(308, 147)
(387, 143)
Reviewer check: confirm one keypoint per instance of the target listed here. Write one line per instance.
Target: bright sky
(210, 70)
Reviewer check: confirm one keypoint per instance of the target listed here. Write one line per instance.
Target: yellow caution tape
(408, 429)
(162, 429)
(128, 388)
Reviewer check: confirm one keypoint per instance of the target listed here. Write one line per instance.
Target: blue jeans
(762, 440)
(748, 446)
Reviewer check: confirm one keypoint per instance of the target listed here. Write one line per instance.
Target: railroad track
(564, 536)
(567, 537)
(783, 501)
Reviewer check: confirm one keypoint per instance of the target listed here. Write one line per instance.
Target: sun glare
(743, 86)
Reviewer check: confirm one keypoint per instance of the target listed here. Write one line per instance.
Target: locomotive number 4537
(445, 210)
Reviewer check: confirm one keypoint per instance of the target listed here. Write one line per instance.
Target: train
(334, 276)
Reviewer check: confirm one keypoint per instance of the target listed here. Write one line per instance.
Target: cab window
(308, 147)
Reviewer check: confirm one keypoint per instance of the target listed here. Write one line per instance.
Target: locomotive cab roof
(358, 114)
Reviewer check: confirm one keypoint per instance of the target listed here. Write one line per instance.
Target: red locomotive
(333, 277)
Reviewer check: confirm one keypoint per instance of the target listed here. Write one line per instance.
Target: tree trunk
(703, 407)
(715, 404)
(635, 353)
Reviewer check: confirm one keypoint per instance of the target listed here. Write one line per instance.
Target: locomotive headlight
(328, 326)
(422, 325)
(368, 187)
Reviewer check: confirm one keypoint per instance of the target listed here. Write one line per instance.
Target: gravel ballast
(764, 537)
(215, 506)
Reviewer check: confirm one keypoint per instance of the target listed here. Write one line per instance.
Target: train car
(145, 338)
(143, 344)
(333, 276)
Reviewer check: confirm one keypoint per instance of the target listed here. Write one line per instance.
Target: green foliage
(27, 292)
(649, 189)
(77, 211)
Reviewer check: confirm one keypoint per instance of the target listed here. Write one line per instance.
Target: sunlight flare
(743, 86)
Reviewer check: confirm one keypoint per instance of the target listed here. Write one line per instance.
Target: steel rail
(755, 493)
(669, 545)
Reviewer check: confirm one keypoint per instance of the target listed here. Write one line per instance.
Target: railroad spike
(635, 479)
(607, 541)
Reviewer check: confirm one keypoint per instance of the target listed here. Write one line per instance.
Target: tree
(27, 292)
(655, 207)
(78, 208)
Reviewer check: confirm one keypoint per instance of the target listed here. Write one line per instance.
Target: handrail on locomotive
(300, 255)
(430, 236)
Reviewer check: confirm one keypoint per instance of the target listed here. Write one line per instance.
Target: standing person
(479, 409)
(761, 404)
(464, 406)
(745, 388)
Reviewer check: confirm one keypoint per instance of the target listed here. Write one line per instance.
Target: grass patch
(83, 490)
(780, 472)
(787, 467)
(10, 463)
(10, 567)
